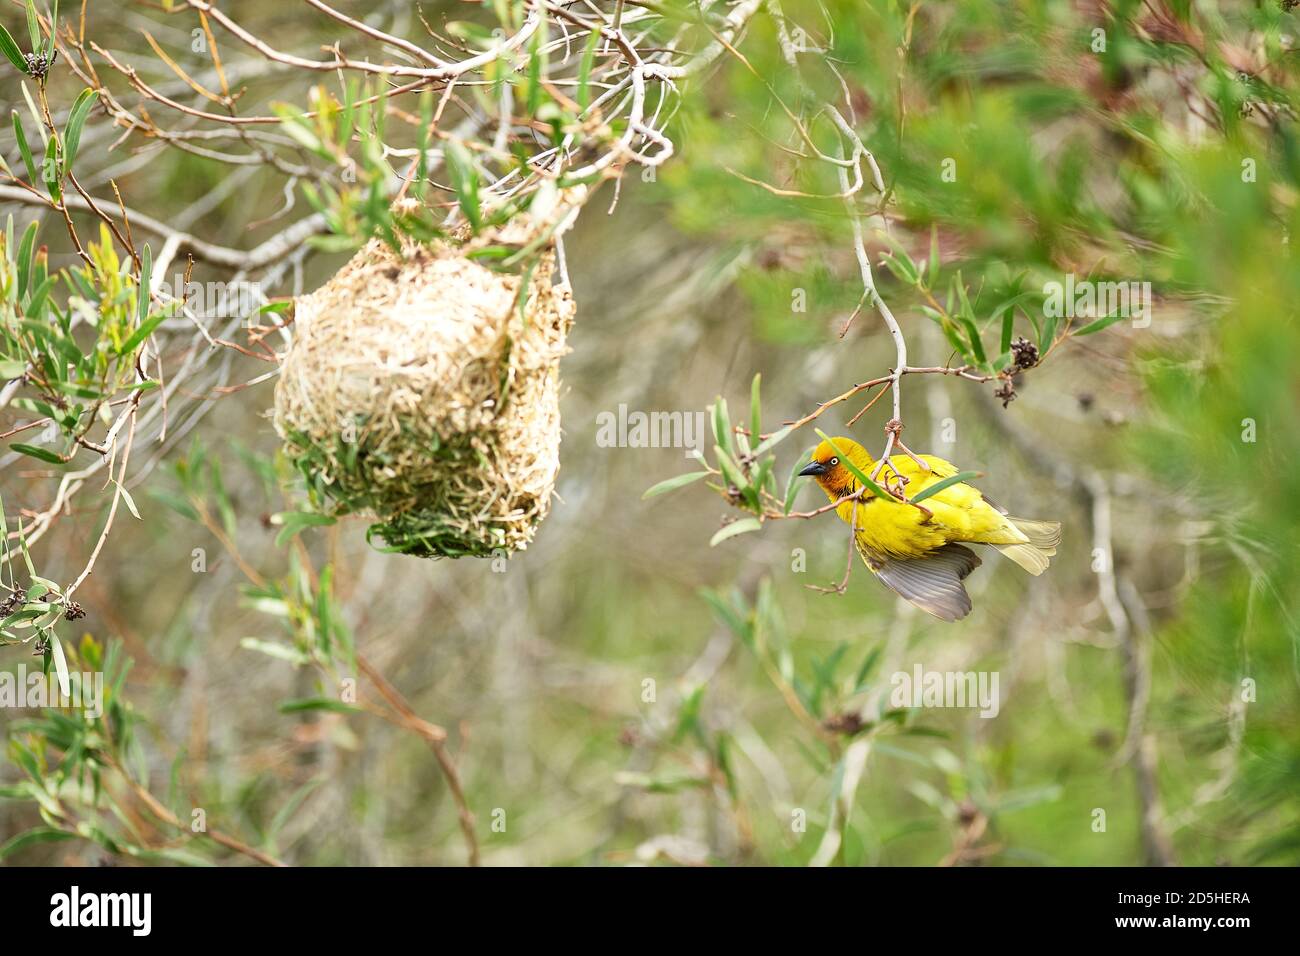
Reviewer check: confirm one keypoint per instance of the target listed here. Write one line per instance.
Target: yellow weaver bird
(915, 552)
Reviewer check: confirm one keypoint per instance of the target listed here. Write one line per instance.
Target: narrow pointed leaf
(743, 526)
(76, 121)
(939, 486)
(34, 451)
(673, 483)
(465, 181)
(1100, 324)
(25, 150)
(60, 665)
(142, 332)
(146, 278)
(33, 26)
(11, 51)
(54, 25)
(722, 425)
(51, 169)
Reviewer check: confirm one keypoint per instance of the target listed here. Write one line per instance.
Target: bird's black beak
(813, 468)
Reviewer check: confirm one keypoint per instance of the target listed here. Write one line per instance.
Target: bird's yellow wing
(938, 467)
(960, 509)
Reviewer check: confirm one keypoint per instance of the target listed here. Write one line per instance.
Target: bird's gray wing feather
(932, 583)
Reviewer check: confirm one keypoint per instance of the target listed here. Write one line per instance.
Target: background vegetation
(622, 691)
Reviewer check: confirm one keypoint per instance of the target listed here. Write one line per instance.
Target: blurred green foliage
(1018, 145)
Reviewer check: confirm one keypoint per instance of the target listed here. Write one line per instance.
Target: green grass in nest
(431, 519)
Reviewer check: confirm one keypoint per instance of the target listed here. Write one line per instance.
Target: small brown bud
(967, 811)
(1024, 353)
(847, 723)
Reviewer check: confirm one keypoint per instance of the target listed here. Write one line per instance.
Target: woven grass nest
(422, 388)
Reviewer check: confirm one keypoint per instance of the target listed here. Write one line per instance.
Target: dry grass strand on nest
(419, 390)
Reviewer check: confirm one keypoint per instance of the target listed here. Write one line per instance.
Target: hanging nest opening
(422, 388)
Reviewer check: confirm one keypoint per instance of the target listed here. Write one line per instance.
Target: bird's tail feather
(1027, 556)
(1044, 536)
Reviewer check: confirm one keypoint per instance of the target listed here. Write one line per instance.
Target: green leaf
(935, 260)
(949, 329)
(142, 333)
(792, 485)
(976, 346)
(584, 69)
(11, 51)
(175, 503)
(26, 252)
(33, 26)
(868, 665)
(54, 25)
(292, 805)
(536, 67)
(939, 486)
(901, 266)
(743, 526)
(129, 501)
(735, 621)
(772, 440)
(348, 118)
(1007, 312)
(60, 665)
(281, 652)
(302, 134)
(316, 703)
(31, 837)
(26, 614)
(967, 318)
(464, 180)
(37, 300)
(51, 169)
(26, 150)
(44, 454)
(730, 470)
(142, 294)
(722, 425)
(294, 522)
(755, 408)
(76, 122)
(669, 782)
(899, 262)
(45, 583)
(1048, 334)
(1031, 796)
(763, 475)
(672, 484)
(1100, 324)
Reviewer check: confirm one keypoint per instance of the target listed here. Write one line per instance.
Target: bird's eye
(835, 461)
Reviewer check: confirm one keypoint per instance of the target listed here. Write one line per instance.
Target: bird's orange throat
(837, 487)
